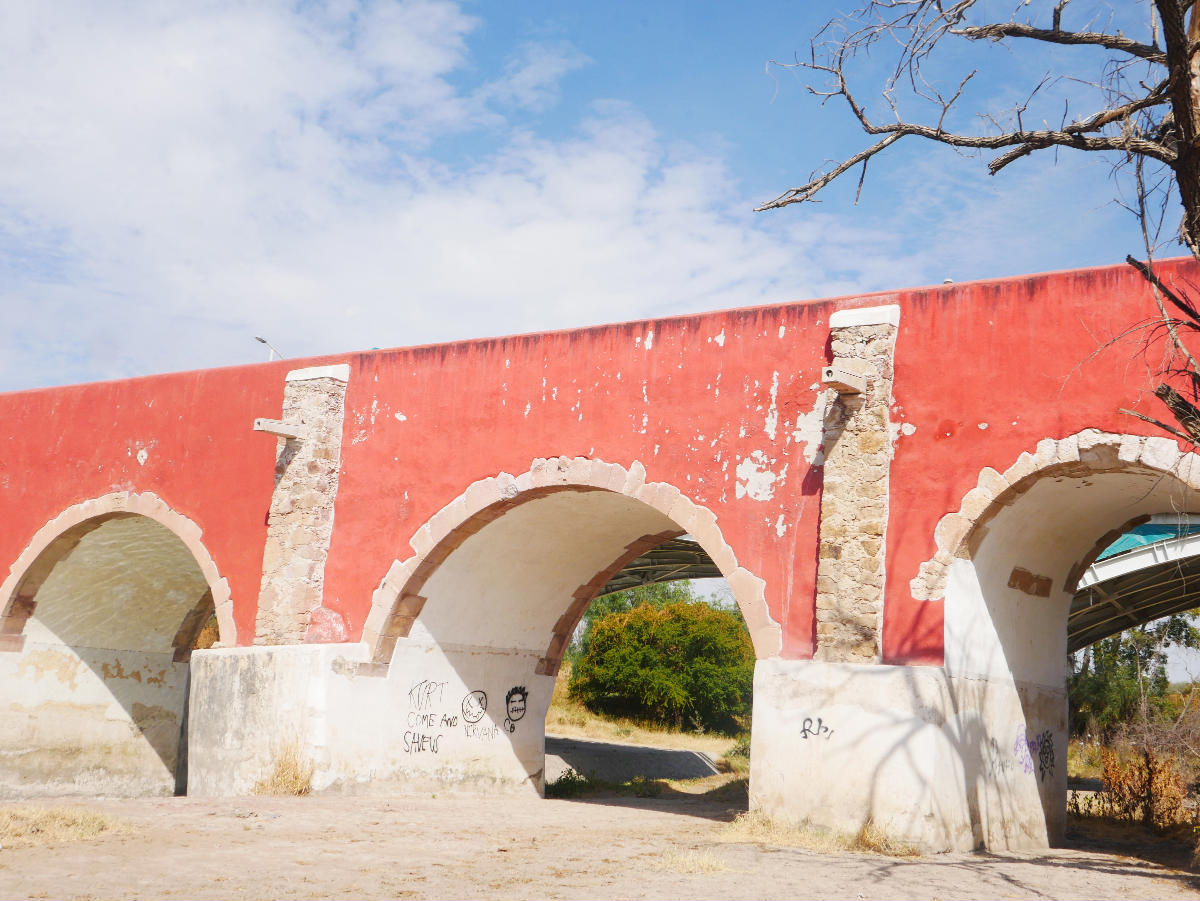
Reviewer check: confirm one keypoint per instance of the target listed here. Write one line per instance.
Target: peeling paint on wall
(755, 478)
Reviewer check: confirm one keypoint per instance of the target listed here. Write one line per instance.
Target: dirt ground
(615, 847)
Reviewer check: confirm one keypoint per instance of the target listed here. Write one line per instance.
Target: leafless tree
(1144, 96)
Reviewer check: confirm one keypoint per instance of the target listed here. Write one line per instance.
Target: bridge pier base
(438, 719)
(939, 761)
(935, 760)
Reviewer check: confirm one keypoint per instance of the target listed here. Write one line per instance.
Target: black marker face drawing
(474, 706)
(514, 705)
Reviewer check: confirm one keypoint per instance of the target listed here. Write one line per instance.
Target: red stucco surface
(1022, 356)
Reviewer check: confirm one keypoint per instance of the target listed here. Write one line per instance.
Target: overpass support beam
(300, 521)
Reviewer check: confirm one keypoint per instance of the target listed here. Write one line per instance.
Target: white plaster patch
(649, 339)
(810, 432)
(755, 478)
(780, 526)
(782, 330)
(528, 407)
(907, 429)
(719, 339)
(885, 315)
(773, 411)
(982, 426)
(339, 372)
(400, 417)
(142, 456)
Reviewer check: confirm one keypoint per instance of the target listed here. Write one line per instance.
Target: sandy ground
(327, 846)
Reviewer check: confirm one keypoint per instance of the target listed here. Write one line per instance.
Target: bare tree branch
(1179, 302)
(1082, 135)
(1162, 425)
(999, 30)
(1148, 121)
(1185, 412)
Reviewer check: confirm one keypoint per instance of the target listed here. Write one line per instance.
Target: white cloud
(176, 178)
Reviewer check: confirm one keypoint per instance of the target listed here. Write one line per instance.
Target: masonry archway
(1008, 565)
(99, 619)
(490, 599)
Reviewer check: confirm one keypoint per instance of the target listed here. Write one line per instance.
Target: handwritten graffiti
(474, 706)
(514, 706)
(430, 723)
(808, 730)
(1045, 752)
(420, 742)
(424, 694)
(999, 762)
(1021, 752)
(1041, 747)
(424, 719)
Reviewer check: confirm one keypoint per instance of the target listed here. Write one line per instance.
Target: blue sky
(177, 177)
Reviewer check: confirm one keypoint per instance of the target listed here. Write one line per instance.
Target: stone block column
(854, 499)
(300, 522)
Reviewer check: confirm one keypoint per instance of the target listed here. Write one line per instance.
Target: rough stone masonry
(854, 500)
(300, 523)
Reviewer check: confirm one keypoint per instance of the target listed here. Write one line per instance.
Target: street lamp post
(272, 353)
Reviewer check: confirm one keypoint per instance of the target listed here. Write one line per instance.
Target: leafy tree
(1122, 680)
(676, 664)
(656, 594)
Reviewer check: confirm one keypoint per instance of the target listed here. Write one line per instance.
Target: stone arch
(1007, 565)
(99, 615)
(58, 537)
(1090, 452)
(398, 601)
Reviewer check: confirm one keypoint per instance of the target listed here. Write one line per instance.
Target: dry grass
(756, 826)
(23, 826)
(570, 719)
(1084, 760)
(874, 840)
(208, 635)
(291, 774)
(693, 862)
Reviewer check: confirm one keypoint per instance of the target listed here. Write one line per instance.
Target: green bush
(570, 784)
(681, 666)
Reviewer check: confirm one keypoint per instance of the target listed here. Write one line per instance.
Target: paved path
(619, 762)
